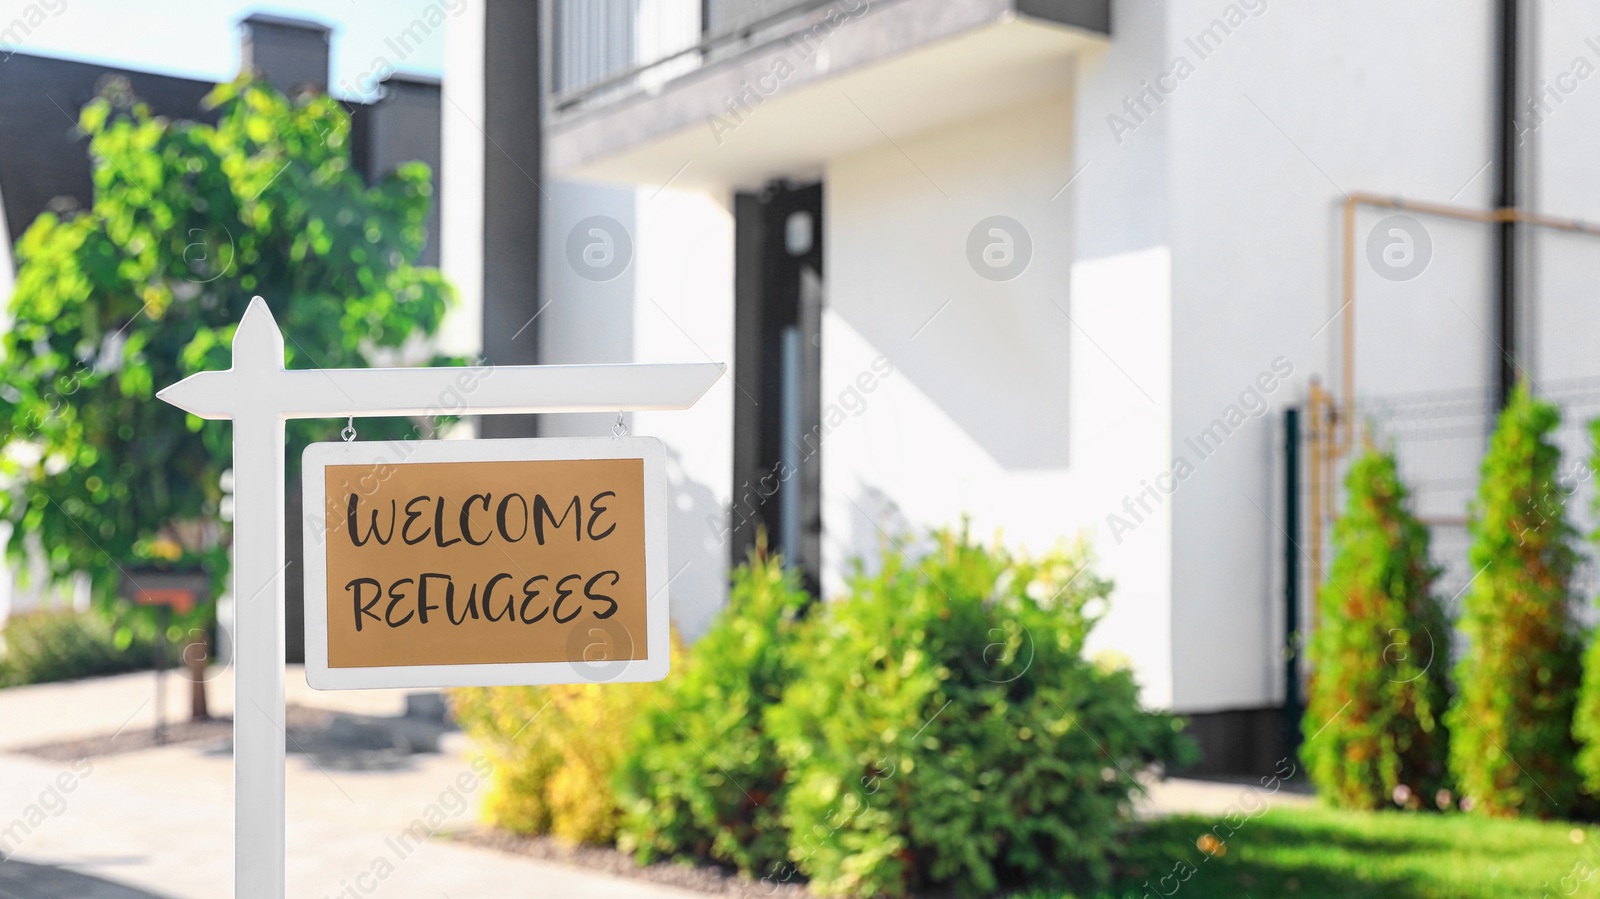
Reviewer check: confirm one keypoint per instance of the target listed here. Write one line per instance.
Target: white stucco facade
(1180, 185)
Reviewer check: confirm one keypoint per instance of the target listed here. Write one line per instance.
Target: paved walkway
(48, 712)
(159, 822)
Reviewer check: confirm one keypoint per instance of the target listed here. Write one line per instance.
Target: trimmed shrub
(1511, 747)
(704, 779)
(1371, 727)
(44, 645)
(947, 732)
(555, 751)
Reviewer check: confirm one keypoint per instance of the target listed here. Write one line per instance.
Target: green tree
(1511, 746)
(146, 286)
(1379, 655)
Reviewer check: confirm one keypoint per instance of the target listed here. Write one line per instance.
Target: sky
(200, 38)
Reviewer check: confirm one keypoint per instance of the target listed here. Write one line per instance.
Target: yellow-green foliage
(554, 750)
(1511, 742)
(1379, 653)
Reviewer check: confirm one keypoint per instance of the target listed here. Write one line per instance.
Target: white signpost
(258, 394)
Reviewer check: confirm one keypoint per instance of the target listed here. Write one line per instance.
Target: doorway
(777, 419)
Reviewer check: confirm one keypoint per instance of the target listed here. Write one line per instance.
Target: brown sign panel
(510, 561)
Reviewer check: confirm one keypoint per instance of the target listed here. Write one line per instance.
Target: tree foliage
(1375, 719)
(1511, 747)
(145, 287)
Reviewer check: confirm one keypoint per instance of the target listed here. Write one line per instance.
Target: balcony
(731, 93)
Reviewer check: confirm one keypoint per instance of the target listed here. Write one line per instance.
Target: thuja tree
(1586, 722)
(145, 287)
(1511, 747)
(1374, 720)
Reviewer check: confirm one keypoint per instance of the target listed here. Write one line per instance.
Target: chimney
(404, 125)
(291, 54)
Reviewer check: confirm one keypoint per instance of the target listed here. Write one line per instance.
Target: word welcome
(506, 519)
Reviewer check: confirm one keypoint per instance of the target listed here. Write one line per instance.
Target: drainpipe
(1506, 195)
(1292, 705)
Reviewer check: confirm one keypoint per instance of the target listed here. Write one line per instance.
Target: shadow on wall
(695, 551)
(24, 879)
(877, 525)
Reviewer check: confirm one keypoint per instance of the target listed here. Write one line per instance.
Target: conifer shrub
(1374, 720)
(704, 779)
(1512, 748)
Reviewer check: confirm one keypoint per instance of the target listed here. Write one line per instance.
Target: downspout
(1506, 196)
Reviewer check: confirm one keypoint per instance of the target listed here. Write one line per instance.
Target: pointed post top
(257, 349)
(257, 342)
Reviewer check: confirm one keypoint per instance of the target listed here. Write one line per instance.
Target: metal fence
(604, 47)
(1439, 439)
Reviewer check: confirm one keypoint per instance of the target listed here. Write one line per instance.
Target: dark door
(777, 420)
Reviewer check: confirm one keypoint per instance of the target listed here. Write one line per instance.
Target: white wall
(462, 158)
(669, 300)
(1184, 255)
(1024, 403)
(1560, 142)
(1300, 103)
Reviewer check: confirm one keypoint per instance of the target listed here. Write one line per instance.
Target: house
(1056, 266)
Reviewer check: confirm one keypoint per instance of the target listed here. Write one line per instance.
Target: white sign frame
(319, 456)
(259, 395)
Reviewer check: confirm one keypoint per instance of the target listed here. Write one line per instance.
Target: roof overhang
(833, 82)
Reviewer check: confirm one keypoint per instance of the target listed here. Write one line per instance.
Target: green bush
(555, 752)
(1511, 747)
(704, 779)
(947, 732)
(46, 645)
(1379, 656)
(1586, 719)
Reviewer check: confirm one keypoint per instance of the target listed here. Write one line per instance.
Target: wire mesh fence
(1439, 439)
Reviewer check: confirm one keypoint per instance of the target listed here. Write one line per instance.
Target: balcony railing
(603, 48)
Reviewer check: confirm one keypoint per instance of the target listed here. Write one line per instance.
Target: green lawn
(1316, 853)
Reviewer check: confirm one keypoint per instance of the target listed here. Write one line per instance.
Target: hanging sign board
(485, 562)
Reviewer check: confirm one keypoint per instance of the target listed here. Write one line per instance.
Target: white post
(259, 396)
(258, 654)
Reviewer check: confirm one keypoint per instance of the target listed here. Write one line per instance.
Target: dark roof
(43, 155)
(44, 159)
